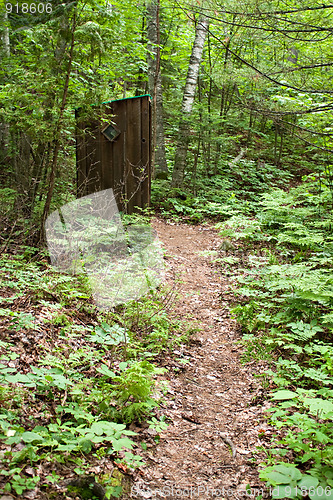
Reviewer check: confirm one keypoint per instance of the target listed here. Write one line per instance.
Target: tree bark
(160, 168)
(188, 100)
(4, 128)
(5, 36)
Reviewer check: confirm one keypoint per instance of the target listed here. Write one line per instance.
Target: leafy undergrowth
(231, 191)
(72, 380)
(284, 305)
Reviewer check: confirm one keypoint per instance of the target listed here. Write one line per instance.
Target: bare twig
(230, 443)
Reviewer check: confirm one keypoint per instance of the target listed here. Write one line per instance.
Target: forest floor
(215, 406)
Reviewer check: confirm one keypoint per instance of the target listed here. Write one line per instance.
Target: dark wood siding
(123, 164)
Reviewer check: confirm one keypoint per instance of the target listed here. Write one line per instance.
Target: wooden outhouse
(114, 151)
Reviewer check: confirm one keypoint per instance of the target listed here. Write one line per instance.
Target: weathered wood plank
(122, 164)
(119, 151)
(146, 150)
(133, 153)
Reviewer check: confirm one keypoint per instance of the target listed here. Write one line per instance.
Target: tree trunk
(5, 36)
(160, 168)
(4, 128)
(57, 135)
(21, 166)
(188, 99)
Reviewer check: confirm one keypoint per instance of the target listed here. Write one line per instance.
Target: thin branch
(264, 75)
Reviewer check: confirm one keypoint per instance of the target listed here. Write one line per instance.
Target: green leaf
(104, 370)
(68, 447)
(284, 491)
(319, 406)
(85, 445)
(321, 492)
(29, 437)
(98, 429)
(125, 442)
(284, 394)
(277, 478)
(308, 482)
(20, 378)
(281, 474)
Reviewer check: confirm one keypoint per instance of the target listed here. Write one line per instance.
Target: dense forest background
(242, 109)
(260, 88)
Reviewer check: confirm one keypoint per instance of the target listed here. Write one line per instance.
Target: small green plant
(108, 335)
(18, 483)
(94, 380)
(286, 481)
(21, 320)
(127, 396)
(158, 426)
(284, 308)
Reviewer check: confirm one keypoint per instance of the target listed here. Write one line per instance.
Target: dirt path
(214, 404)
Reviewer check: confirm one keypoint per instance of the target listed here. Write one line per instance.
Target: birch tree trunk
(5, 36)
(160, 168)
(188, 99)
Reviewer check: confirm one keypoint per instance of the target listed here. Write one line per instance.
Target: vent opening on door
(111, 132)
